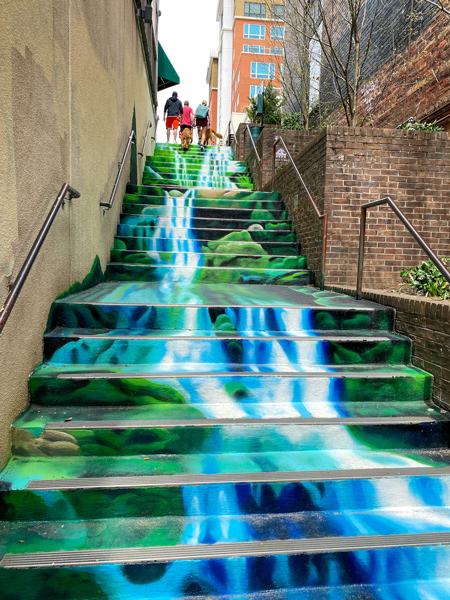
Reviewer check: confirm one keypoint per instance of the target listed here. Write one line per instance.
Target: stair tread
(266, 335)
(224, 550)
(228, 295)
(23, 470)
(164, 531)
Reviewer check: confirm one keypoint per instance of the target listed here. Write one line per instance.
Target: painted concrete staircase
(204, 425)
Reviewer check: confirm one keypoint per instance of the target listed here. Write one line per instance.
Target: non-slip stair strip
(212, 422)
(222, 550)
(248, 477)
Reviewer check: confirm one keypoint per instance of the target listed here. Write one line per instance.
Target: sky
(188, 31)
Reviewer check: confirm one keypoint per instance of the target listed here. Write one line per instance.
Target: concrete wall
(71, 74)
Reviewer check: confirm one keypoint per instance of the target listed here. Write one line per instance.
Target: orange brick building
(251, 51)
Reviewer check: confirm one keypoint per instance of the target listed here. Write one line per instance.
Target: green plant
(426, 280)
(417, 125)
(272, 114)
(292, 121)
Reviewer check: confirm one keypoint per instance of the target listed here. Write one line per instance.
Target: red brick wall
(347, 167)
(415, 84)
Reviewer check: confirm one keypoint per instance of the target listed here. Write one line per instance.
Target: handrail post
(131, 140)
(324, 251)
(362, 241)
(16, 287)
(274, 152)
(149, 124)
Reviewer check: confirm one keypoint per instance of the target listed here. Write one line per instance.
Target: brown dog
(210, 136)
(186, 139)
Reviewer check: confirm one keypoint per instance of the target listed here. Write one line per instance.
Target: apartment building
(251, 51)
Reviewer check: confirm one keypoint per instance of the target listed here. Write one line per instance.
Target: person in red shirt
(187, 121)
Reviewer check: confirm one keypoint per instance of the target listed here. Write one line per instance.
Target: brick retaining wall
(346, 167)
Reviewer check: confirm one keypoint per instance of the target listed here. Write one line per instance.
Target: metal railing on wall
(131, 140)
(17, 285)
(232, 139)
(412, 230)
(322, 216)
(258, 157)
(149, 124)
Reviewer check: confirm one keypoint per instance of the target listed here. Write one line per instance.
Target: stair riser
(198, 223)
(208, 260)
(129, 316)
(222, 352)
(232, 390)
(304, 574)
(259, 216)
(207, 203)
(217, 167)
(151, 190)
(251, 499)
(212, 179)
(204, 234)
(120, 272)
(232, 439)
(201, 246)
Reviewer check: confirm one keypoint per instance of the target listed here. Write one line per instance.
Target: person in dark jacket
(174, 110)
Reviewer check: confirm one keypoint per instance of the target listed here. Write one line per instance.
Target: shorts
(201, 122)
(183, 127)
(172, 122)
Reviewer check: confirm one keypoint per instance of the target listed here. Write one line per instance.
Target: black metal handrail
(149, 124)
(322, 216)
(131, 140)
(412, 230)
(17, 285)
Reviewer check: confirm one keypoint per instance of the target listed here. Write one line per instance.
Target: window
(254, 32)
(255, 9)
(277, 50)
(278, 11)
(254, 49)
(277, 33)
(260, 70)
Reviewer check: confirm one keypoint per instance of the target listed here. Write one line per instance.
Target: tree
(272, 114)
(440, 5)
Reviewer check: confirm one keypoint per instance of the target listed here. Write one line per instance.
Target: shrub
(426, 280)
(417, 125)
(272, 107)
(292, 121)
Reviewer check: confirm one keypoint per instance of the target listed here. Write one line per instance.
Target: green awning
(167, 76)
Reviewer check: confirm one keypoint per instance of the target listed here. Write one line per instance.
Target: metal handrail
(230, 129)
(322, 216)
(247, 128)
(412, 230)
(17, 285)
(109, 204)
(149, 124)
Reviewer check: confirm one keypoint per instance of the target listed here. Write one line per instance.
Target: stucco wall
(71, 73)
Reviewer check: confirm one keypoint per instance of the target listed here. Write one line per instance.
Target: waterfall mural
(206, 424)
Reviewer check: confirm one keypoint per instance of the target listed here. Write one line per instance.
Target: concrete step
(233, 201)
(152, 190)
(207, 246)
(206, 233)
(226, 213)
(207, 275)
(194, 222)
(219, 307)
(208, 259)
(90, 347)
